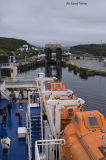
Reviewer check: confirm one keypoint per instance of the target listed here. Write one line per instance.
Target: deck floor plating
(18, 147)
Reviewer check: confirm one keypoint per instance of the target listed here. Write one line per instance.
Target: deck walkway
(18, 147)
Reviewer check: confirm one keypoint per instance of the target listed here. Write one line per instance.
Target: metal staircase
(35, 127)
(34, 123)
(4, 92)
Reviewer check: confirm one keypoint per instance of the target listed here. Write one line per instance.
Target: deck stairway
(4, 92)
(35, 127)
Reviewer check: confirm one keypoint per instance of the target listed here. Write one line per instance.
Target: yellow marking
(22, 101)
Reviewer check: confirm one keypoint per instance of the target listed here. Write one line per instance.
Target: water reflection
(53, 70)
(91, 89)
(83, 75)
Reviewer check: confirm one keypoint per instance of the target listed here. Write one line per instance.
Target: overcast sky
(54, 21)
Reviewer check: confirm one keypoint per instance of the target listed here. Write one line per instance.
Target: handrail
(37, 157)
(53, 145)
(26, 128)
(50, 140)
(29, 149)
(41, 108)
(27, 138)
(41, 115)
(27, 78)
(29, 130)
(29, 126)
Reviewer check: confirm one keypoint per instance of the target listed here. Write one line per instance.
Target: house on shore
(24, 48)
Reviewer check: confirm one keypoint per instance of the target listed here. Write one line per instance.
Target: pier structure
(53, 50)
(53, 56)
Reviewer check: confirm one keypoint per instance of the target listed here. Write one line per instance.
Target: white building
(23, 48)
(35, 48)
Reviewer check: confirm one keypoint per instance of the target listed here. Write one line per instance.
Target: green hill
(11, 44)
(93, 49)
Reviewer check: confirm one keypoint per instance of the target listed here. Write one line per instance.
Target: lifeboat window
(92, 121)
(76, 119)
(57, 85)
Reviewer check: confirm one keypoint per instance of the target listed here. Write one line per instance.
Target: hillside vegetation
(93, 49)
(11, 44)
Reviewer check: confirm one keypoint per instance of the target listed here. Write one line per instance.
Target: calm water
(92, 90)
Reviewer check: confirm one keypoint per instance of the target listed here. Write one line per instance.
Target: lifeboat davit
(85, 137)
(66, 114)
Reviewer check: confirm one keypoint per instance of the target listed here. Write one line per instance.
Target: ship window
(57, 85)
(92, 121)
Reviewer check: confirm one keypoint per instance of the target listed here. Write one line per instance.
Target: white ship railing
(48, 149)
(7, 65)
(28, 137)
(28, 122)
(22, 78)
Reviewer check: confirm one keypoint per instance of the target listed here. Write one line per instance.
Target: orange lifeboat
(85, 137)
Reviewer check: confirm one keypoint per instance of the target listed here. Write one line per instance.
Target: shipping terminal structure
(54, 126)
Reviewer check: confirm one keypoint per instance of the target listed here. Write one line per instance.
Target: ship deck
(18, 147)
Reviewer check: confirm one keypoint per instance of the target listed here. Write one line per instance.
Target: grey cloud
(43, 21)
